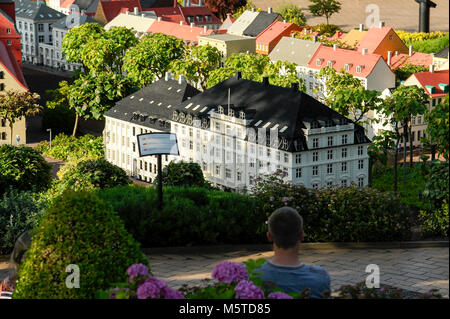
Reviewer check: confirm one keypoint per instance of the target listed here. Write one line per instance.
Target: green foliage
(19, 212)
(292, 13)
(189, 216)
(327, 30)
(435, 222)
(337, 214)
(324, 8)
(23, 168)
(408, 193)
(412, 37)
(381, 146)
(244, 7)
(431, 46)
(93, 94)
(79, 229)
(405, 71)
(255, 67)
(152, 56)
(92, 173)
(67, 147)
(437, 184)
(438, 128)
(197, 64)
(182, 174)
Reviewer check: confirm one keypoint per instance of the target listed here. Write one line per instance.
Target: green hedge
(192, 215)
(67, 147)
(78, 229)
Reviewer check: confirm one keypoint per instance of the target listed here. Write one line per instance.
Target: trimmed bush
(68, 147)
(189, 216)
(182, 174)
(79, 229)
(92, 173)
(327, 30)
(19, 212)
(23, 168)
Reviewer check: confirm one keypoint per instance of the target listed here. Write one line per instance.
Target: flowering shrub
(338, 213)
(229, 272)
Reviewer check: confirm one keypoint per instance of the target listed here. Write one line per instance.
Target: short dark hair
(285, 226)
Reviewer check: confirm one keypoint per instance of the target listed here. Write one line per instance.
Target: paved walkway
(415, 269)
(400, 14)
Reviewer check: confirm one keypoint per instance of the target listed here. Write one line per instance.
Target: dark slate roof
(151, 102)
(6, 1)
(267, 104)
(84, 4)
(261, 22)
(156, 3)
(442, 54)
(62, 23)
(36, 11)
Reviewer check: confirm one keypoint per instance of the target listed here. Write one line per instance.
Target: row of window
(40, 26)
(330, 141)
(343, 183)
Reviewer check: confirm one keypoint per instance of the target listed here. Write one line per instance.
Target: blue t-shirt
(296, 278)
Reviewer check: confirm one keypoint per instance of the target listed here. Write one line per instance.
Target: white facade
(229, 160)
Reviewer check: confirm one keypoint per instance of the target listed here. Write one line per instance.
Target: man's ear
(269, 236)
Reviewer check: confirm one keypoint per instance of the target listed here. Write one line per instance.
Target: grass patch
(432, 45)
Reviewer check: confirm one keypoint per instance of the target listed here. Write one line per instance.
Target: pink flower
(137, 270)
(148, 290)
(229, 272)
(169, 293)
(279, 295)
(248, 290)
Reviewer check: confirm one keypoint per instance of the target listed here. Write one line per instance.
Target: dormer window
(220, 109)
(348, 66)
(190, 19)
(328, 123)
(231, 112)
(208, 18)
(330, 63)
(242, 115)
(319, 62)
(200, 18)
(314, 125)
(359, 68)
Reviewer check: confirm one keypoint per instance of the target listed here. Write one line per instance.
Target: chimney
(136, 10)
(389, 57)
(410, 50)
(306, 31)
(181, 22)
(127, 12)
(381, 24)
(181, 79)
(200, 3)
(284, 21)
(396, 52)
(205, 29)
(432, 68)
(361, 27)
(188, 3)
(167, 77)
(192, 25)
(266, 81)
(238, 75)
(335, 46)
(269, 10)
(159, 19)
(294, 86)
(143, 15)
(364, 51)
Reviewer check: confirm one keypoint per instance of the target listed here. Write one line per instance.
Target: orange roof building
(353, 37)
(187, 33)
(269, 38)
(10, 36)
(415, 58)
(381, 39)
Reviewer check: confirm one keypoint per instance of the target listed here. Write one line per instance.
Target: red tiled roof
(342, 57)
(433, 79)
(112, 8)
(417, 58)
(8, 61)
(179, 13)
(184, 32)
(373, 38)
(275, 30)
(336, 36)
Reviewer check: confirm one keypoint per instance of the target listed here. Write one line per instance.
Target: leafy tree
(15, 105)
(92, 95)
(59, 116)
(406, 101)
(405, 71)
(326, 30)
(292, 13)
(437, 131)
(346, 95)
(222, 7)
(182, 174)
(255, 67)
(324, 8)
(197, 63)
(23, 168)
(77, 38)
(152, 57)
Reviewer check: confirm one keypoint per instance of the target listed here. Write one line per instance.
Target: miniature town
(209, 149)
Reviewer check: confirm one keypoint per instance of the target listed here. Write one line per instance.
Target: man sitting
(285, 269)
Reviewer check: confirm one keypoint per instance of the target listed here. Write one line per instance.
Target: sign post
(158, 144)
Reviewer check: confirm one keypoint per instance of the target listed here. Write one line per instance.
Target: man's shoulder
(316, 270)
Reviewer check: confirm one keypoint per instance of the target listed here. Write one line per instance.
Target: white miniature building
(239, 130)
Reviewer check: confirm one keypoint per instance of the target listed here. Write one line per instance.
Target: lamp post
(50, 131)
(424, 14)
